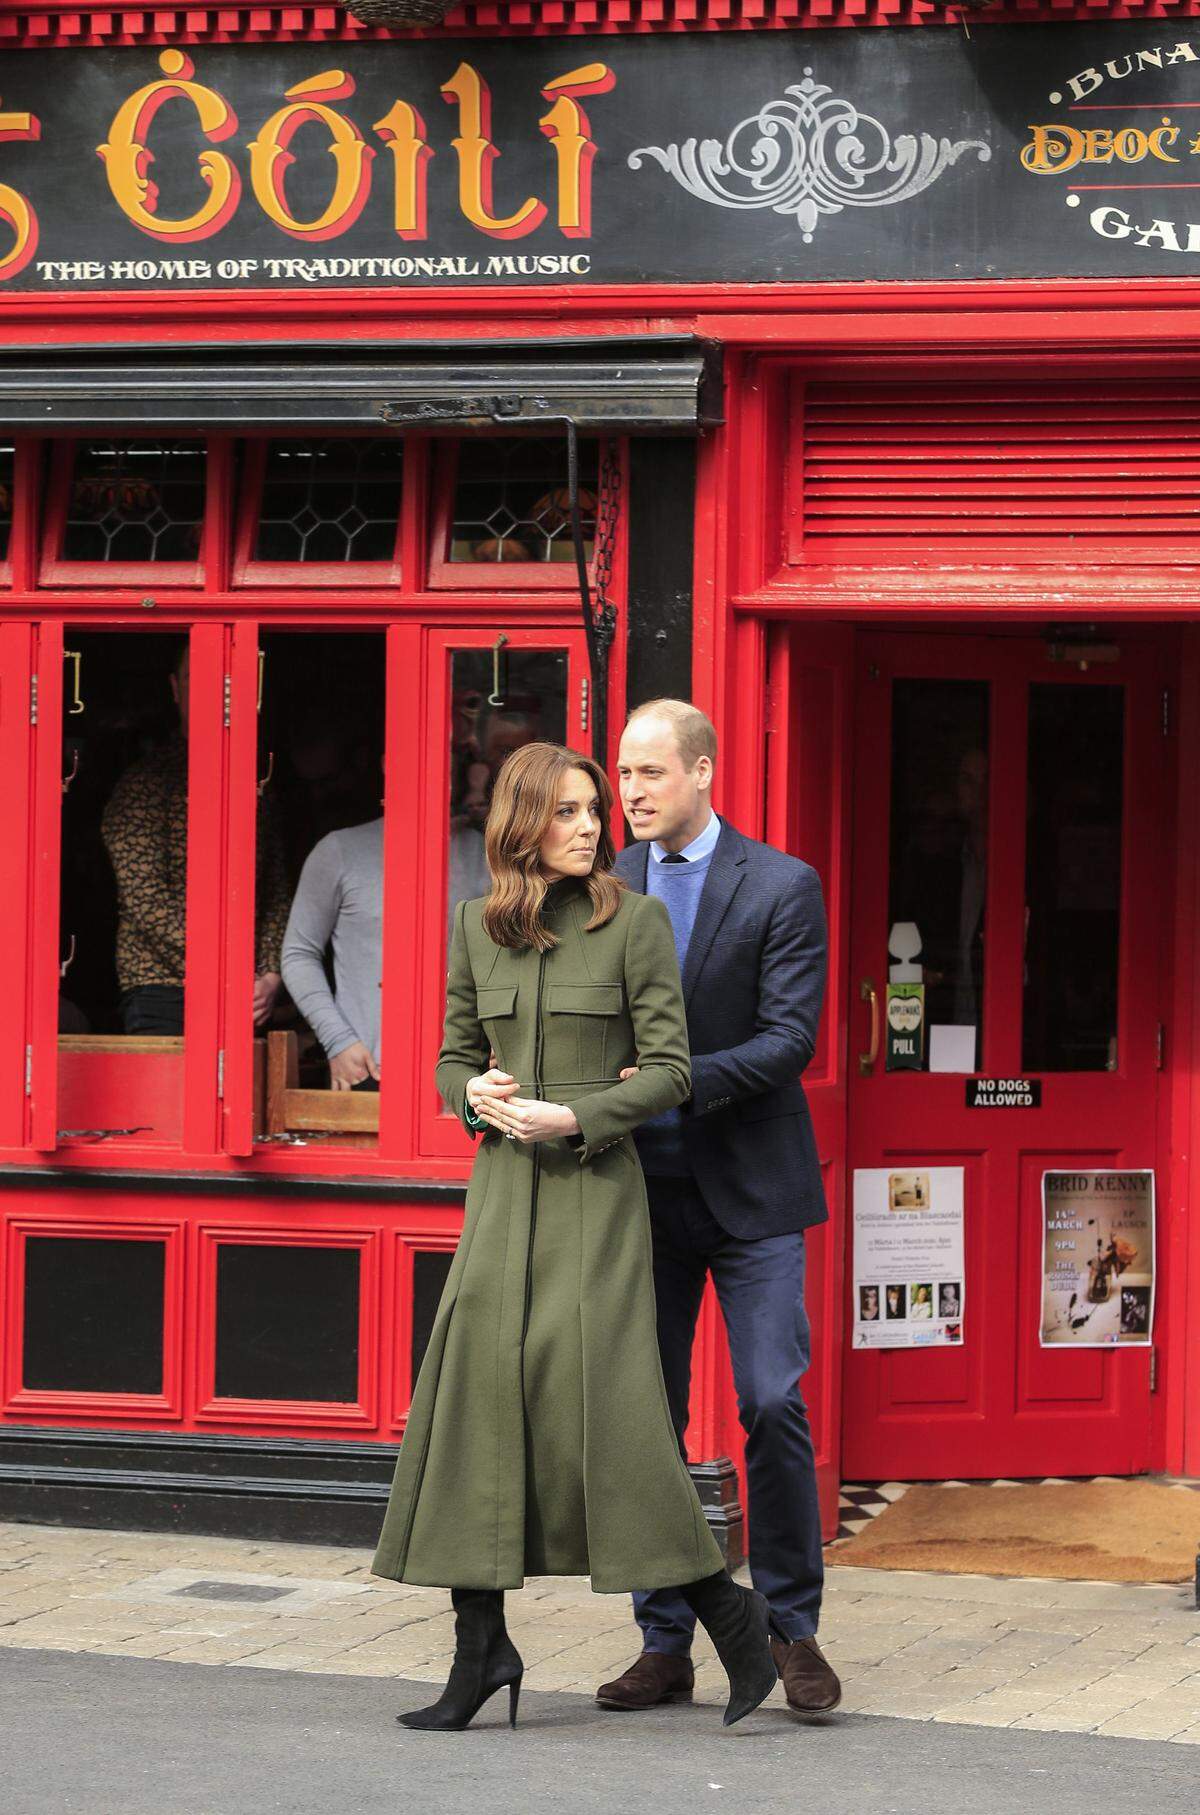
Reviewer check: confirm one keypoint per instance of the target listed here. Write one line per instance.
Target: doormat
(1088, 1531)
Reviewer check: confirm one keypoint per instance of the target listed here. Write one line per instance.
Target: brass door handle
(866, 1060)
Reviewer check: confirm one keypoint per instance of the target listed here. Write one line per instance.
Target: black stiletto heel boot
(737, 1620)
(485, 1660)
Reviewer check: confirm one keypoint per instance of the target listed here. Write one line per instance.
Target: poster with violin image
(1097, 1259)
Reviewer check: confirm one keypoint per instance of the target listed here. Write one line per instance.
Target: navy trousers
(760, 1286)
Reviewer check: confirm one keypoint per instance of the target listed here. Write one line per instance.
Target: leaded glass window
(511, 501)
(334, 500)
(135, 501)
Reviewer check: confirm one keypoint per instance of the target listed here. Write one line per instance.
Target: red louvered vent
(1019, 473)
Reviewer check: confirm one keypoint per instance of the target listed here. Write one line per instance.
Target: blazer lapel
(634, 870)
(725, 876)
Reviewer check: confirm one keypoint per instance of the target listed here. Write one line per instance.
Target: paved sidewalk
(1064, 1657)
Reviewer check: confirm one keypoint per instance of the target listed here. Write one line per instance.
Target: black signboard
(764, 157)
(1004, 1093)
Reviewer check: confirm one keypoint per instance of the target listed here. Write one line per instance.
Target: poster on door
(909, 1277)
(1097, 1259)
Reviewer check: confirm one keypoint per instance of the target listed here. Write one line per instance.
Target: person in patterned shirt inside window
(145, 834)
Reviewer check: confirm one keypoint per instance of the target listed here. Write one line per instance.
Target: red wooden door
(1009, 805)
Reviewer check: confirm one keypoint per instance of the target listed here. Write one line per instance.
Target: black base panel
(287, 1490)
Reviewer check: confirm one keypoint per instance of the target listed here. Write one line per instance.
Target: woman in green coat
(539, 1440)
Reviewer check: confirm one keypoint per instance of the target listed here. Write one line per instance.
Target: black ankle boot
(485, 1659)
(737, 1620)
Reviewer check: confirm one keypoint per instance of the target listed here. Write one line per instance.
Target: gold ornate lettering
(270, 157)
(569, 131)
(127, 157)
(476, 156)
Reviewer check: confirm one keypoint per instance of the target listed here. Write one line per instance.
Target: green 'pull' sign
(905, 1026)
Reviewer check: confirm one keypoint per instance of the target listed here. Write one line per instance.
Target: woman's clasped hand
(493, 1098)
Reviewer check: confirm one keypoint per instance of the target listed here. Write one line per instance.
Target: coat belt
(566, 1087)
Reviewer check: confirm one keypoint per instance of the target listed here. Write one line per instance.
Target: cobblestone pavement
(1066, 1657)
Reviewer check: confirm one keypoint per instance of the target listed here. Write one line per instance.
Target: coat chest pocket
(495, 1000)
(584, 999)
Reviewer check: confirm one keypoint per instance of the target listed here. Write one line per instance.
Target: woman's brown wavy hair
(524, 802)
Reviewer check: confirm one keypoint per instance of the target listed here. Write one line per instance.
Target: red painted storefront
(850, 413)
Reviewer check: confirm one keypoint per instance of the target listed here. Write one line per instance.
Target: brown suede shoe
(654, 1679)
(809, 1683)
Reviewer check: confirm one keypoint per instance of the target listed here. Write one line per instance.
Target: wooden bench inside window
(351, 1115)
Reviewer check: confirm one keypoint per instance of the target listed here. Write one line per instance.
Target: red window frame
(439, 1135)
(207, 875)
(250, 571)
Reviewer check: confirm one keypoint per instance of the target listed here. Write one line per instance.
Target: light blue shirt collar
(703, 846)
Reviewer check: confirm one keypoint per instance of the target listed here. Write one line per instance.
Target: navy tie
(673, 857)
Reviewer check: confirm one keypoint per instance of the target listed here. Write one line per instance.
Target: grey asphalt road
(124, 1736)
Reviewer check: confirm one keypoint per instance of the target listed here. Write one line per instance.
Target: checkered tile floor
(862, 1501)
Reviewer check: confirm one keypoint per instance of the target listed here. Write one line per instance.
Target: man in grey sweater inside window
(339, 898)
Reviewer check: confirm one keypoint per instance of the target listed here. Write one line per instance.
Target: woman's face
(569, 847)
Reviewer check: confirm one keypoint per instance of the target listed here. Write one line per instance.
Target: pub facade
(374, 401)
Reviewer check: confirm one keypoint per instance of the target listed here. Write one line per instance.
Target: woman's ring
(509, 1136)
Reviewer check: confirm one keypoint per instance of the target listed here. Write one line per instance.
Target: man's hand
(266, 987)
(351, 1066)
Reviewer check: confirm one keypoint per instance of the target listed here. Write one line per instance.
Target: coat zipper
(537, 1148)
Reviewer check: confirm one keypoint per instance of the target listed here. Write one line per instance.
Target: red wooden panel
(110, 1086)
(105, 1221)
(363, 1411)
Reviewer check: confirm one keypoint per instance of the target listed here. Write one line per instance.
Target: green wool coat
(539, 1440)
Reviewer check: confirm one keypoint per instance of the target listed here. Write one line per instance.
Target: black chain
(600, 613)
(608, 506)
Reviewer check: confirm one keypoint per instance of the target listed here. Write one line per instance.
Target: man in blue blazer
(733, 1177)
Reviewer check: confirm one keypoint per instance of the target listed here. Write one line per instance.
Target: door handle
(866, 1060)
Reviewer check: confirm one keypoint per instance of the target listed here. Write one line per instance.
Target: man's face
(659, 795)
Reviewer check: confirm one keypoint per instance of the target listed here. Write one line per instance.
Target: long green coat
(539, 1440)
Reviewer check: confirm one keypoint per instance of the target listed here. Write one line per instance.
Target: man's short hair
(695, 733)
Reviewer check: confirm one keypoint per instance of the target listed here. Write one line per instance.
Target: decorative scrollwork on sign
(809, 155)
